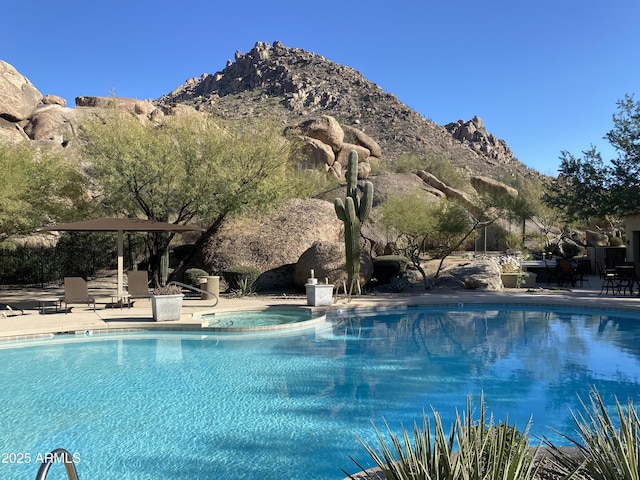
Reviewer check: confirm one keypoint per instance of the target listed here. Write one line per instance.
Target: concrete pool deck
(82, 318)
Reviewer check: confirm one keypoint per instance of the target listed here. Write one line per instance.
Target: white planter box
(319, 294)
(166, 308)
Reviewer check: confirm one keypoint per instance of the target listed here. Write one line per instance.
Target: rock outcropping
(333, 108)
(294, 84)
(327, 144)
(473, 134)
(297, 85)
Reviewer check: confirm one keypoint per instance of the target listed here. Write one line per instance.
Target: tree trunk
(178, 273)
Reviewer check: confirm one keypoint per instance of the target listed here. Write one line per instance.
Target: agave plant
(607, 450)
(472, 450)
(245, 287)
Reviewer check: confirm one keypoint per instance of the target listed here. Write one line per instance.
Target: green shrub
(386, 267)
(399, 284)
(472, 450)
(237, 277)
(513, 242)
(246, 288)
(192, 275)
(608, 449)
(571, 250)
(616, 241)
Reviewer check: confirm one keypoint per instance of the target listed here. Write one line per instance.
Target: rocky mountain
(291, 83)
(333, 107)
(296, 85)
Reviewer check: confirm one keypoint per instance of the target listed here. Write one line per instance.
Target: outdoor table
(625, 278)
(45, 303)
(121, 298)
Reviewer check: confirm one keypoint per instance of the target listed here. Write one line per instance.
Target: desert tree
(414, 221)
(192, 167)
(625, 168)
(38, 187)
(589, 188)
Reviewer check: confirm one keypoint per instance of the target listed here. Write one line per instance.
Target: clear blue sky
(544, 76)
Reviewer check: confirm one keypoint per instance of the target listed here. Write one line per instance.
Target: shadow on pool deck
(82, 318)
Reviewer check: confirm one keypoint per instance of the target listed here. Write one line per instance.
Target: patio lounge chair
(9, 311)
(76, 291)
(138, 284)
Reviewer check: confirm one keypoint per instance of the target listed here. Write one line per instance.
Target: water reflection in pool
(202, 406)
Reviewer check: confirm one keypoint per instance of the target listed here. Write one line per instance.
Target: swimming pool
(260, 320)
(200, 405)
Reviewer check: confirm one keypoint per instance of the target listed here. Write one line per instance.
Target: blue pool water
(174, 406)
(256, 318)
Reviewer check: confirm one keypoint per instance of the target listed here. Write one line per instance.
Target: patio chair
(138, 284)
(582, 271)
(636, 275)
(566, 274)
(9, 311)
(76, 291)
(552, 272)
(608, 279)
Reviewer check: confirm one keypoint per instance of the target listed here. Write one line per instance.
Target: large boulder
(342, 156)
(50, 123)
(596, 239)
(492, 187)
(481, 274)
(18, 97)
(270, 241)
(131, 105)
(328, 261)
(326, 129)
(400, 184)
(56, 125)
(11, 132)
(431, 180)
(318, 154)
(324, 144)
(54, 100)
(364, 140)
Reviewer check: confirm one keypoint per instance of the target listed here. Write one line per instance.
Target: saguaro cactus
(352, 212)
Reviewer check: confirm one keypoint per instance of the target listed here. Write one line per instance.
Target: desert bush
(473, 450)
(167, 290)
(570, 249)
(192, 275)
(246, 288)
(237, 277)
(513, 242)
(386, 267)
(616, 241)
(509, 264)
(608, 449)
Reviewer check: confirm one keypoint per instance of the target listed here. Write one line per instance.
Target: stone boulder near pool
(271, 242)
(479, 273)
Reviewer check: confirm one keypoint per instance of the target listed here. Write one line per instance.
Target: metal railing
(54, 456)
(195, 289)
